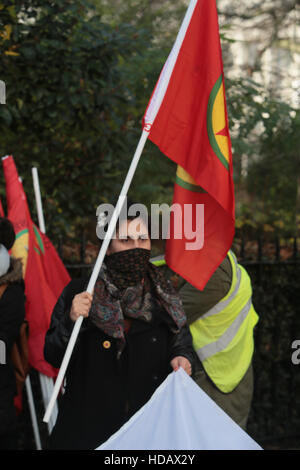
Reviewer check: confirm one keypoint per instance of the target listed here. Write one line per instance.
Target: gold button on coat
(106, 344)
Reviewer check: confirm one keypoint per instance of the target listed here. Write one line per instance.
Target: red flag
(56, 274)
(44, 274)
(187, 119)
(1, 210)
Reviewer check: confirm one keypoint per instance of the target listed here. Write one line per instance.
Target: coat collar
(14, 273)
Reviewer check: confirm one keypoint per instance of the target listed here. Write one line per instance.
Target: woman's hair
(7, 233)
(130, 203)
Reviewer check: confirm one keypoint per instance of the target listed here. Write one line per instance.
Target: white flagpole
(47, 388)
(46, 382)
(96, 270)
(33, 413)
(38, 199)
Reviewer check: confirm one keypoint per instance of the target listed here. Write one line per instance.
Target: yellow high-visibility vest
(223, 336)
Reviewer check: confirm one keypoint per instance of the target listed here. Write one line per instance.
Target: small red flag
(187, 119)
(44, 273)
(1, 210)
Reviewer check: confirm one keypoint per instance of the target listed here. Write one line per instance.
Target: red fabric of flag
(56, 274)
(44, 274)
(1, 210)
(191, 128)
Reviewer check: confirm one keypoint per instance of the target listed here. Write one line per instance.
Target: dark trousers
(8, 441)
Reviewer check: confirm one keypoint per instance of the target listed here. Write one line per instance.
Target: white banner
(180, 416)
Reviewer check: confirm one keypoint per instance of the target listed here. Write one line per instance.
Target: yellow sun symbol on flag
(20, 248)
(216, 123)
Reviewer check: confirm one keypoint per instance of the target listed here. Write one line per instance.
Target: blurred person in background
(12, 314)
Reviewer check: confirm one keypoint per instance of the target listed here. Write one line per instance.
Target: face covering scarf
(125, 287)
(127, 268)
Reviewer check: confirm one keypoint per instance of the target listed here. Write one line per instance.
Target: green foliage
(66, 104)
(154, 178)
(78, 78)
(161, 19)
(273, 179)
(265, 132)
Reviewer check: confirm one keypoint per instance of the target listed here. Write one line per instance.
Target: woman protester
(12, 313)
(133, 335)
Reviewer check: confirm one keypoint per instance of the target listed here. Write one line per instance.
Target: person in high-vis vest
(222, 319)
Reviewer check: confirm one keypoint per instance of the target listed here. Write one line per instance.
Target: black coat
(12, 313)
(102, 391)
